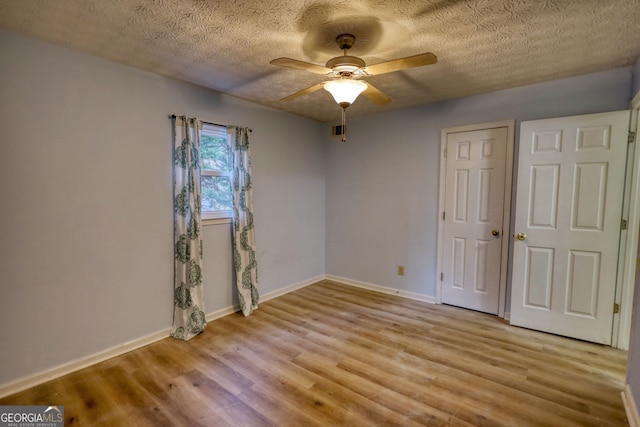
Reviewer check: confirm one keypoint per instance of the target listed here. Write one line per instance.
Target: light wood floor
(334, 355)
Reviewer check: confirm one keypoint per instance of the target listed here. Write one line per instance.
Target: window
(215, 156)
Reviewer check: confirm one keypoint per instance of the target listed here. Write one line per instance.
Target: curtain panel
(244, 252)
(188, 315)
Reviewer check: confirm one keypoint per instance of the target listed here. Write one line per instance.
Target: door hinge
(445, 153)
(616, 308)
(441, 277)
(623, 224)
(632, 137)
(443, 215)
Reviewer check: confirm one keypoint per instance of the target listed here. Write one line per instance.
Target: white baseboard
(291, 288)
(209, 317)
(630, 407)
(66, 368)
(83, 362)
(117, 350)
(382, 289)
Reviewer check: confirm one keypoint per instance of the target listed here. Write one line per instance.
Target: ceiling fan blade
(300, 65)
(375, 95)
(402, 64)
(303, 92)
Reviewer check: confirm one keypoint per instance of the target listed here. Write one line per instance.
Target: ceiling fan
(345, 72)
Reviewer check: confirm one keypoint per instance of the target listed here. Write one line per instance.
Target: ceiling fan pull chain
(344, 125)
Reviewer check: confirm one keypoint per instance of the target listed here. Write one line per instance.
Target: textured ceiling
(481, 45)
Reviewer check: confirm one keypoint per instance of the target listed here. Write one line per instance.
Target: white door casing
(629, 257)
(471, 256)
(571, 174)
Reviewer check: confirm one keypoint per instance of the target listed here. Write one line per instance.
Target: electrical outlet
(401, 270)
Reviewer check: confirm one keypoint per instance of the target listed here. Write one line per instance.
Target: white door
(473, 217)
(571, 174)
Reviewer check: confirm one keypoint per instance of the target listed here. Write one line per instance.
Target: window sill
(216, 221)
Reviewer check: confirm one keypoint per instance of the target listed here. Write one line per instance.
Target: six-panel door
(474, 203)
(568, 211)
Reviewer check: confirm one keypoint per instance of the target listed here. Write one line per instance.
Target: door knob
(495, 232)
(521, 236)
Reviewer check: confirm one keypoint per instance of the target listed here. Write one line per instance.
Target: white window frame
(217, 216)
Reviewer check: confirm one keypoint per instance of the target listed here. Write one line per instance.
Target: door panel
(482, 262)
(458, 262)
(583, 284)
(461, 192)
(543, 200)
(539, 273)
(474, 203)
(568, 209)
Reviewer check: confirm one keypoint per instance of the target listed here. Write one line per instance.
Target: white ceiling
(481, 45)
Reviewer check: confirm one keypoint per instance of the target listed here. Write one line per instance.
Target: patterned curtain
(244, 248)
(188, 314)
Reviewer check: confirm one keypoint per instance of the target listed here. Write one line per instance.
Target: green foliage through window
(215, 153)
(216, 193)
(215, 157)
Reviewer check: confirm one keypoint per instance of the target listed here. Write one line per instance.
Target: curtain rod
(173, 116)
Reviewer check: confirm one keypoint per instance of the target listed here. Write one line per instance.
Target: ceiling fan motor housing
(345, 63)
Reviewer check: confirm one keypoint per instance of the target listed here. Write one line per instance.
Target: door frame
(628, 253)
(506, 217)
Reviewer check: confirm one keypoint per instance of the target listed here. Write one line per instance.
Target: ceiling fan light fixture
(345, 91)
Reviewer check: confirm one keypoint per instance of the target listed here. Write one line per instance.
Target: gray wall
(382, 185)
(636, 78)
(86, 203)
(633, 364)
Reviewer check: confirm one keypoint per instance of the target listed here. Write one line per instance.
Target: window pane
(214, 153)
(216, 193)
